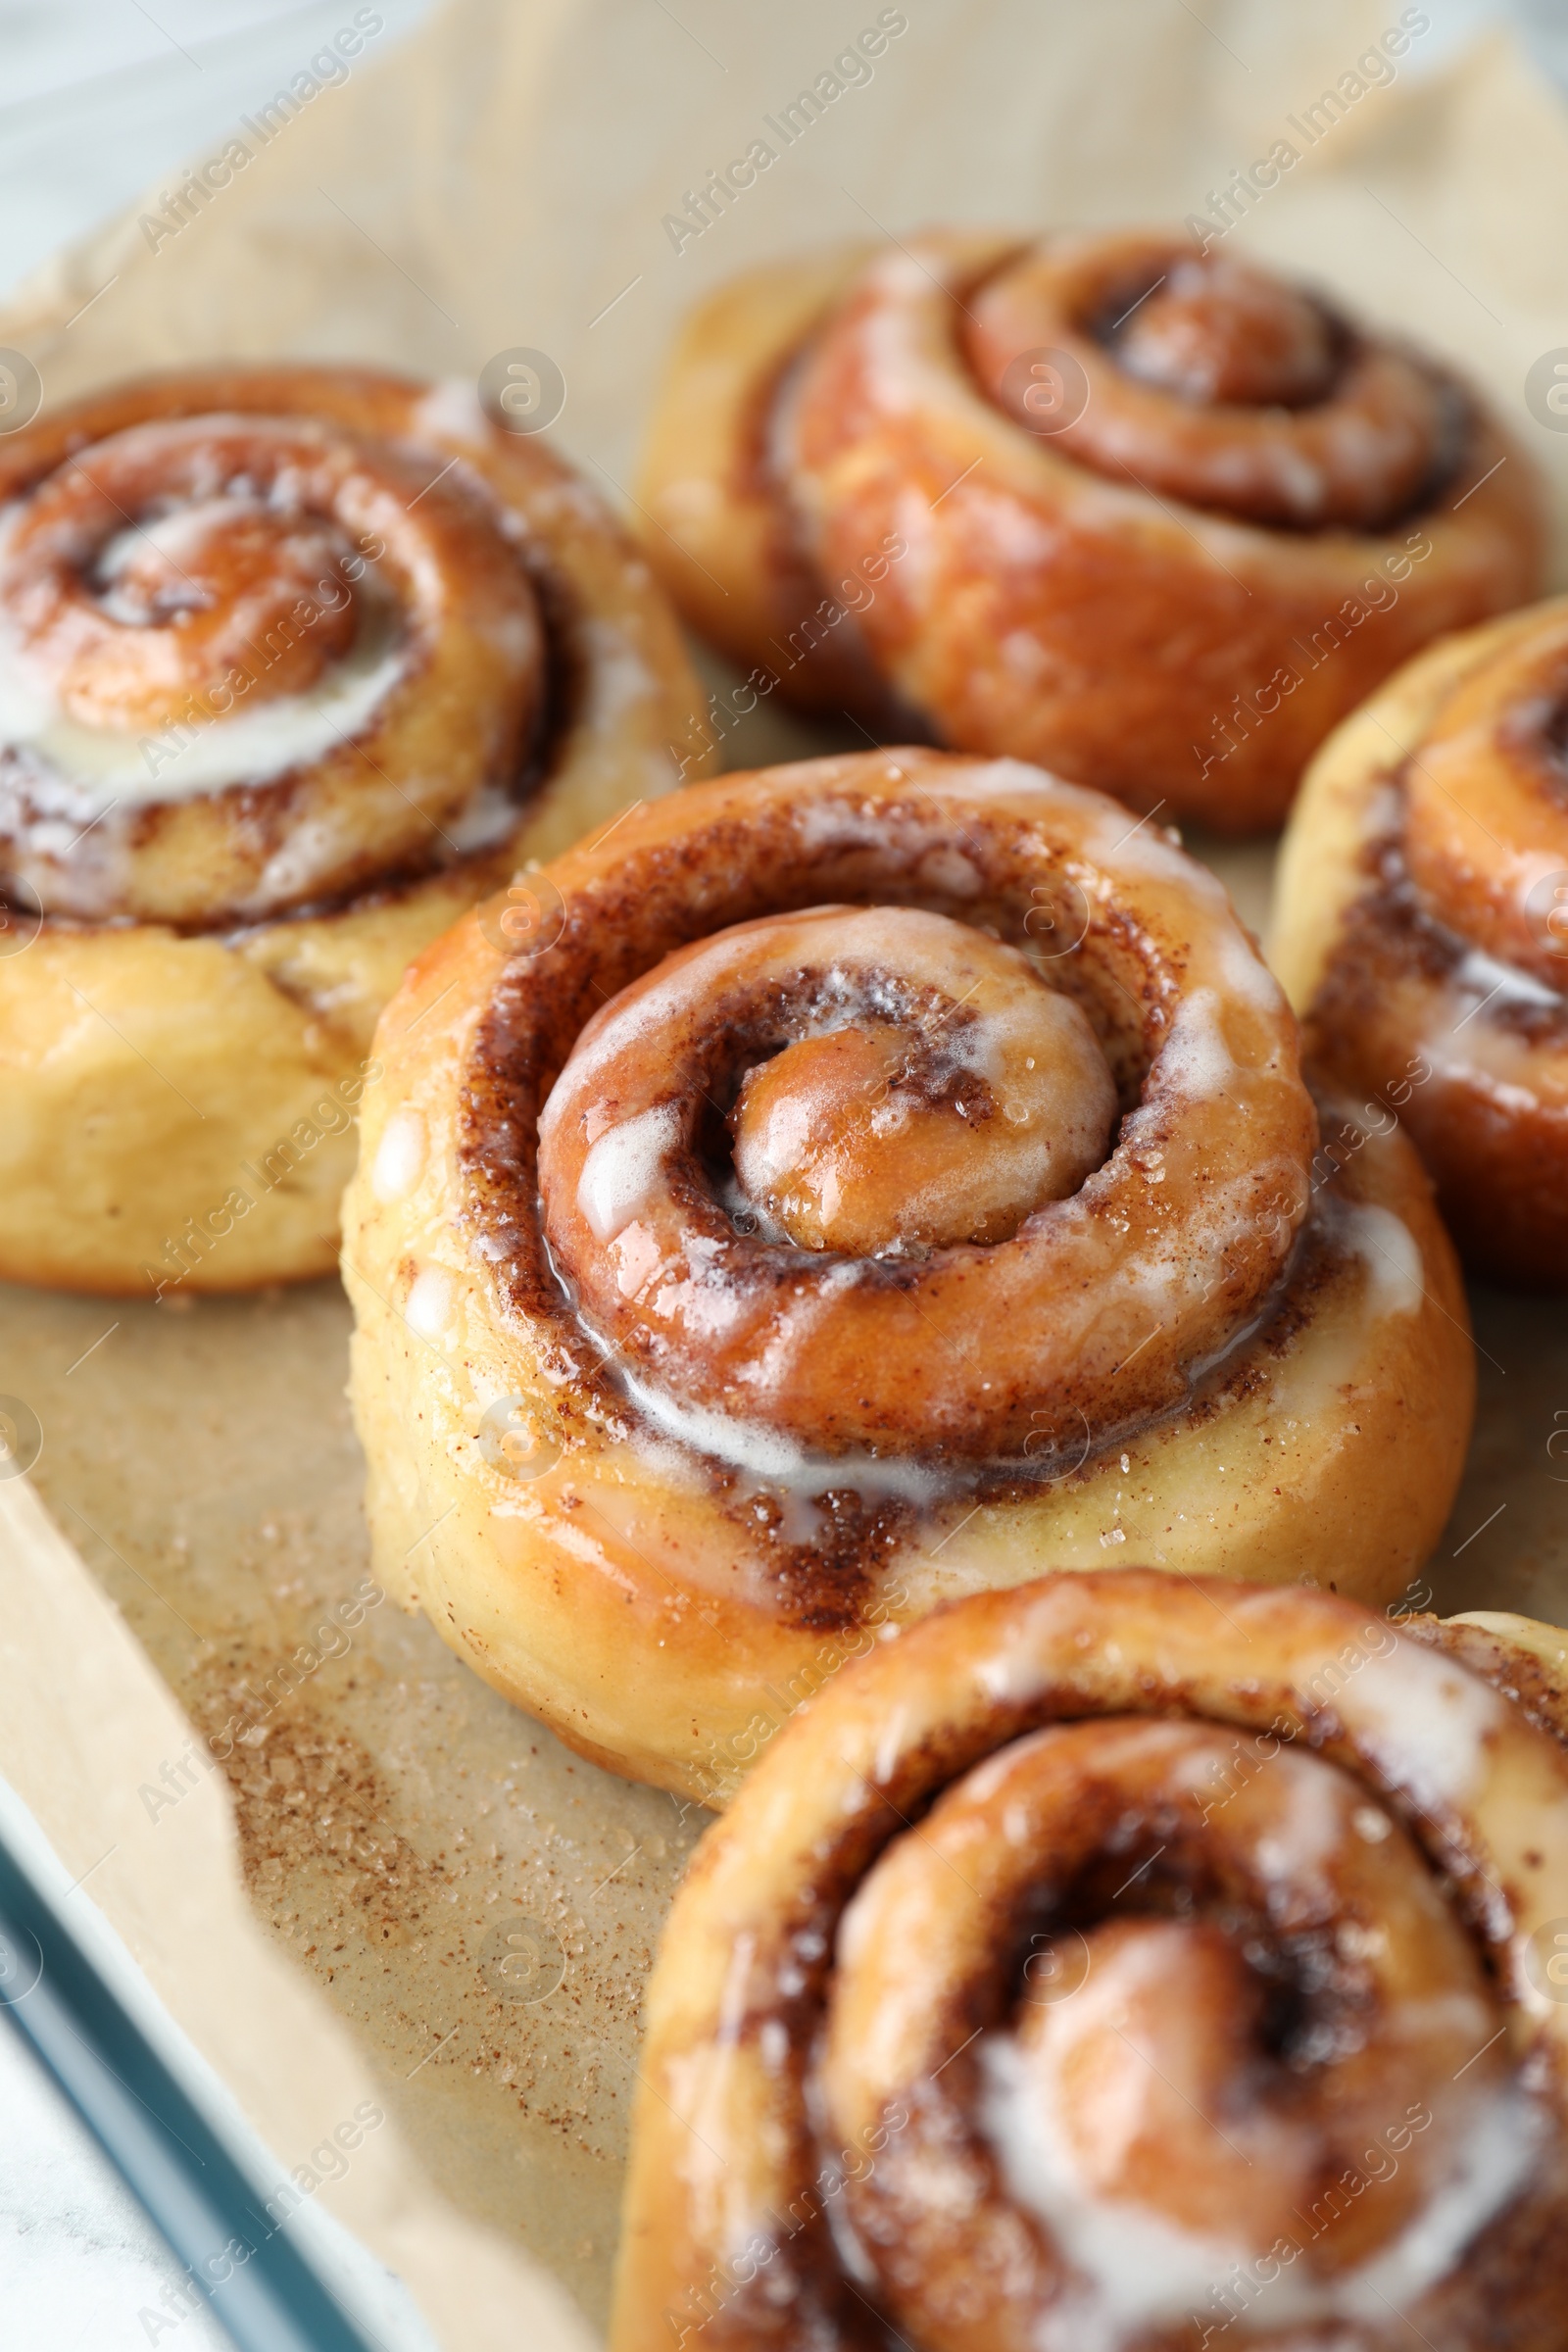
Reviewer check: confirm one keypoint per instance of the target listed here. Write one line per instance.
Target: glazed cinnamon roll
(295, 664)
(1121, 1962)
(1152, 517)
(1421, 927)
(895, 1176)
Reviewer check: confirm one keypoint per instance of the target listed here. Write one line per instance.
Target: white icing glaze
(490, 817)
(752, 1447)
(177, 535)
(1426, 1721)
(429, 1304)
(400, 1156)
(997, 1028)
(1493, 2156)
(623, 1168)
(1195, 1060)
(1388, 1249)
(949, 870)
(1140, 1291)
(1026, 656)
(98, 765)
(1312, 1811)
(1245, 974)
(1140, 2270)
(782, 1140)
(892, 1746)
(1146, 853)
(452, 410)
(617, 675)
(1482, 975)
(1525, 1632)
(1009, 1678)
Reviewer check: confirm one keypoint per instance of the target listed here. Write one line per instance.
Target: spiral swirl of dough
(283, 660)
(921, 1128)
(1149, 515)
(852, 1183)
(1119, 1962)
(1217, 383)
(1422, 927)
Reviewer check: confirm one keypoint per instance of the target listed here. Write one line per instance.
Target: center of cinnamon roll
(144, 581)
(1217, 329)
(1263, 1988)
(172, 603)
(892, 1134)
(865, 1181)
(1214, 382)
(1182, 1987)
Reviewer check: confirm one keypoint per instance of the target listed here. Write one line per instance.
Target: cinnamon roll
(295, 664)
(1421, 927)
(1153, 518)
(1121, 1962)
(896, 1177)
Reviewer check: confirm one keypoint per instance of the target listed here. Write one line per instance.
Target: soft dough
(1124, 1961)
(1219, 1349)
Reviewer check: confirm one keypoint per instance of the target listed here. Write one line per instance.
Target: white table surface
(80, 2262)
(99, 98)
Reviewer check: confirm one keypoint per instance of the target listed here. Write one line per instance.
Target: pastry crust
(839, 481)
(646, 1580)
(1115, 1960)
(1430, 983)
(176, 1098)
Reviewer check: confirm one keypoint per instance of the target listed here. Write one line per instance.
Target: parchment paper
(504, 182)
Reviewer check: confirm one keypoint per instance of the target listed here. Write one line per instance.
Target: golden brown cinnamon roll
(1155, 518)
(1125, 1962)
(1421, 927)
(295, 664)
(895, 1176)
